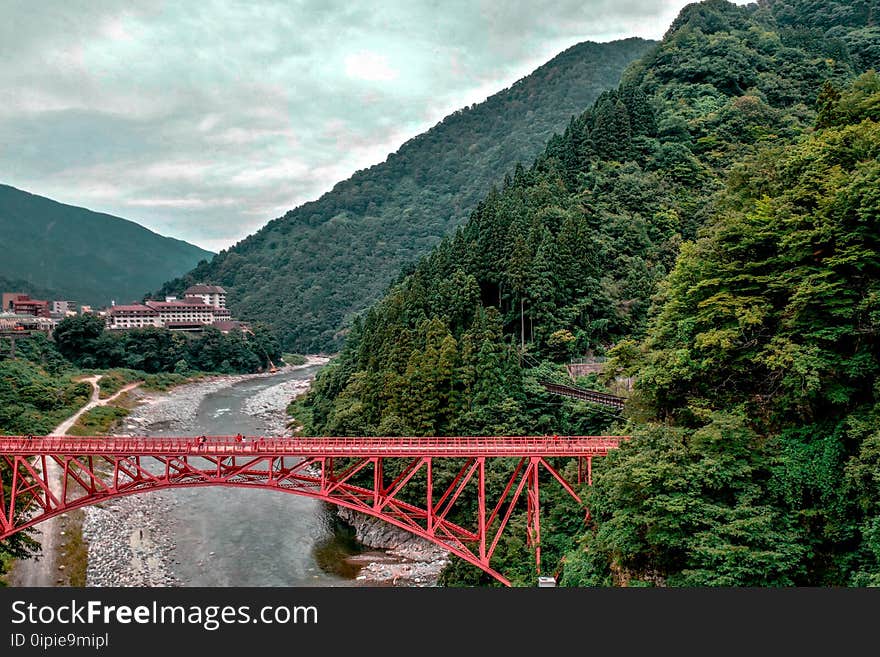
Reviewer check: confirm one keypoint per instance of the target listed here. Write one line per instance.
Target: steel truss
(336, 470)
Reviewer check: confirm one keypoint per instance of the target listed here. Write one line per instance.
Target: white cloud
(370, 66)
(180, 202)
(287, 169)
(174, 170)
(205, 120)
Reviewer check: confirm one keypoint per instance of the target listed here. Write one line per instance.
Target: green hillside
(711, 226)
(86, 256)
(756, 447)
(306, 273)
(35, 291)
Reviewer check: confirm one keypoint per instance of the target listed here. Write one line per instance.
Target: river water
(238, 537)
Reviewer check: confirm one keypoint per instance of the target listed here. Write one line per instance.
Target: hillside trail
(41, 571)
(95, 400)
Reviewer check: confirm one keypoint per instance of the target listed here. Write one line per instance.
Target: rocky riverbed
(130, 542)
(129, 539)
(177, 410)
(407, 560)
(270, 404)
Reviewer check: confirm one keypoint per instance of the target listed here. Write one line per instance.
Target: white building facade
(212, 295)
(132, 316)
(192, 313)
(191, 310)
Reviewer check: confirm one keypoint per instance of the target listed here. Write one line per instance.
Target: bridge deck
(592, 396)
(464, 446)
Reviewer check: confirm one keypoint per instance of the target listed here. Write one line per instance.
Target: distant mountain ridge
(22, 286)
(308, 272)
(89, 257)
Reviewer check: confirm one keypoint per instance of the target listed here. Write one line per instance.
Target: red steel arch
(94, 469)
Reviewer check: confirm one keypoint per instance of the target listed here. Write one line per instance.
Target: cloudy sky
(204, 120)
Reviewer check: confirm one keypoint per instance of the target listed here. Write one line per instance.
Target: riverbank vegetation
(34, 400)
(98, 421)
(113, 380)
(711, 227)
(294, 359)
(86, 342)
(42, 385)
(37, 392)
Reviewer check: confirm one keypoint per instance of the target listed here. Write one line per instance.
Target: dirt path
(64, 427)
(41, 571)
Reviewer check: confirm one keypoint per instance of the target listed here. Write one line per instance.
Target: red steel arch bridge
(392, 478)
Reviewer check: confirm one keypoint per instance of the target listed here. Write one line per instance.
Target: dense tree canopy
(760, 463)
(83, 340)
(568, 255)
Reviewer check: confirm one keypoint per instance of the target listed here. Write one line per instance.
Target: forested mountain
(307, 272)
(711, 225)
(35, 291)
(86, 256)
(756, 452)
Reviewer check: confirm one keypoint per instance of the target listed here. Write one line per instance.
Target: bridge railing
(300, 446)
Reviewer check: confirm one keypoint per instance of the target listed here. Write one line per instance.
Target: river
(217, 536)
(253, 537)
(236, 537)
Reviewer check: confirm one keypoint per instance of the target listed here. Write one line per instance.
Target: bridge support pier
(533, 512)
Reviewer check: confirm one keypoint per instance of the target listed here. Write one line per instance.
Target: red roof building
(22, 304)
(213, 295)
(174, 314)
(192, 313)
(132, 316)
(227, 326)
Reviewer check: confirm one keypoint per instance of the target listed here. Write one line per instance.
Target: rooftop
(5, 315)
(186, 303)
(135, 307)
(204, 289)
(227, 326)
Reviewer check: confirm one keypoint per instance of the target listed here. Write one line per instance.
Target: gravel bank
(408, 560)
(130, 544)
(129, 541)
(176, 410)
(271, 403)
